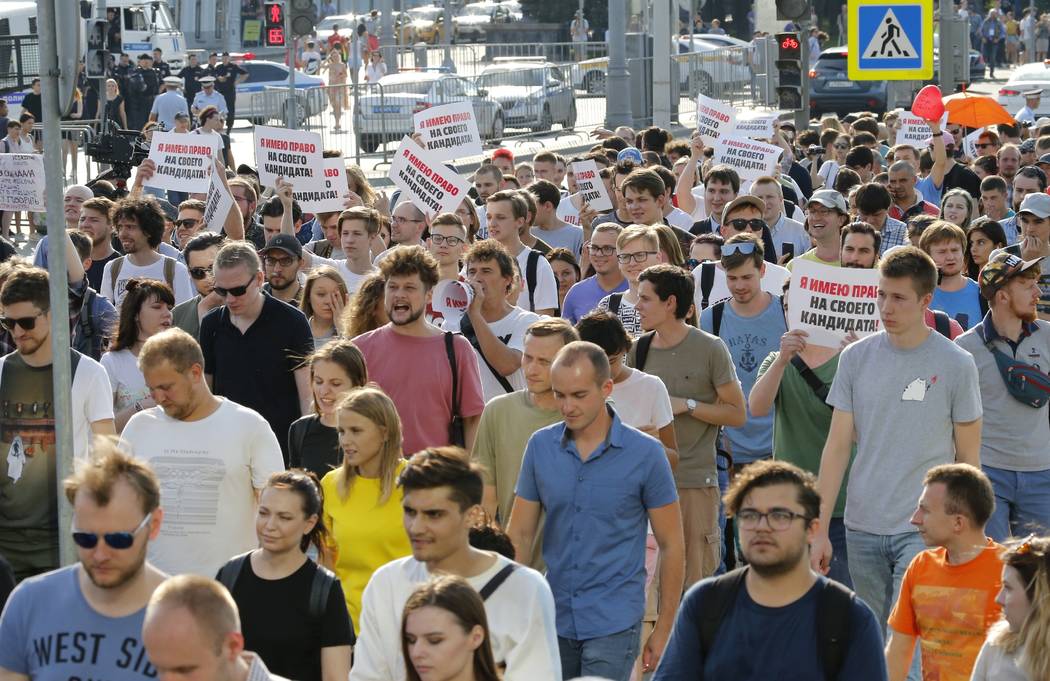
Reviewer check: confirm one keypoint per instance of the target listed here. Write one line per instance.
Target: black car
(831, 90)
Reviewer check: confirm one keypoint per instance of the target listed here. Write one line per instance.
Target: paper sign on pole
(431, 186)
(22, 182)
(294, 155)
(184, 162)
(217, 205)
(330, 197)
(449, 131)
(915, 130)
(755, 126)
(749, 158)
(591, 187)
(714, 118)
(829, 302)
(970, 143)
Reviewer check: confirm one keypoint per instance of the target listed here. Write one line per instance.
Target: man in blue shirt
(769, 629)
(585, 295)
(599, 481)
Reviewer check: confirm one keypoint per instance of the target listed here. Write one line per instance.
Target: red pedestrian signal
(274, 14)
(275, 36)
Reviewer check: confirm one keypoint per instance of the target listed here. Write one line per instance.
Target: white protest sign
(431, 186)
(750, 159)
(755, 125)
(591, 187)
(22, 182)
(294, 155)
(330, 196)
(970, 143)
(915, 130)
(714, 118)
(449, 131)
(184, 162)
(829, 302)
(217, 205)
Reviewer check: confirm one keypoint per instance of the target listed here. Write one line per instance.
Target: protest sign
(431, 186)
(749, 158)
(449, 131)
(970, 143)
(217, 205)
(22, 182)
(294, 155)
(755, 125)
(591, 187)
(568, 211)
(915, 130)
(714, 118)
(184, 162)
(829, 302)
(330, 197)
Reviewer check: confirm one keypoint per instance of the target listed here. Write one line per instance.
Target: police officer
(191, 75)
(143, 85)
(227, 76)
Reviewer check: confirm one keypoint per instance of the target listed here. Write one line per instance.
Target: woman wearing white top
(376, 69)
(835, 149)
(144, 312)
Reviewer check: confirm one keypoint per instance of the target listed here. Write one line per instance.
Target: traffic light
(274, 31)
(304, 17)
(96, 56)
(789, 71)
(790, 10)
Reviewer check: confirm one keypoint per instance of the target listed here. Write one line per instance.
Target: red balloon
(928, 103)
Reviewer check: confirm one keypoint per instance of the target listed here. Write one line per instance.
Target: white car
(533, 94)
(258, 107)
(347, 24)
(1034, 76)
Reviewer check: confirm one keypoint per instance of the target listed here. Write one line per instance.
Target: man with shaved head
(907, 203)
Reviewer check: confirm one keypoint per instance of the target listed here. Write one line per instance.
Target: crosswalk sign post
(890, 39)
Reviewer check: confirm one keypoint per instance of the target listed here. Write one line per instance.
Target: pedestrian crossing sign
(890, 39)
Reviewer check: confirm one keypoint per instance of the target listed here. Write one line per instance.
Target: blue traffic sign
(890, 39)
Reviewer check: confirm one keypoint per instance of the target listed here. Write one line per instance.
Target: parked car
(474, 19)
(259, 108)
(347, 24)
(384, 113)
(1035, 76)
(831, 90)
(427, 24)
(533, 94)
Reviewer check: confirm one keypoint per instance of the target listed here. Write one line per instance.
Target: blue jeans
(839, 568)
(608, 657)
(1022, 503)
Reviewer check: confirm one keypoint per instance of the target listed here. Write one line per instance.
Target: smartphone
(789, 253)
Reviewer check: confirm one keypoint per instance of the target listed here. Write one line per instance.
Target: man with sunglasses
(85, 620)
(199, 255)
(28, 533)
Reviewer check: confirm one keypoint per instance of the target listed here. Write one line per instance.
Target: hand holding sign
(284, 191)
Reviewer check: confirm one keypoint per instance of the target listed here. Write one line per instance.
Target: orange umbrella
(975, 111)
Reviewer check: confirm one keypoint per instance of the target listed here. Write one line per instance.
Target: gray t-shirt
(904, 404)
(1014, 436)
(49, 633)
(569, 237)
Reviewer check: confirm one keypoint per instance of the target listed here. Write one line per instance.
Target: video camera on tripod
(120, 149)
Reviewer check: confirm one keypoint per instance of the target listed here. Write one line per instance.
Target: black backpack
(530, 277)
(942, 323)
(320, 586)
(707, 282)
(833, 618)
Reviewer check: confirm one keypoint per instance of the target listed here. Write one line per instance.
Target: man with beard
(89, 615)
(199, 256)
(417, 364)
(1015, 439)
(28, 503)
(907, 201)
(282, 262)
(775, 506)
(956, 295)
(212, 454)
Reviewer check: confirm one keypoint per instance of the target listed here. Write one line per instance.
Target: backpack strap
(450, 351)
(717, 310)
(229, 572)
(320, 588)
(169, 272)
(707, 282)
(718, 598)
(641, 349)
(834, 606)
(530, 277)
(497, 579)
(812, 380)
(614, 303)
(466, 328)
(942, 323)
(114, 273)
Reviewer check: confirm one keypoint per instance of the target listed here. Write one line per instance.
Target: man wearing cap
(1044, 163)
(142, 86)
(208, 97)
(826, 215)
(169, 103)
(191, 75)
(1015, 438)
(580, 31)
(1033, 218)
(1027, 149)
(1027, 180)
(282, 259)
(1026, 114)
(228, 75)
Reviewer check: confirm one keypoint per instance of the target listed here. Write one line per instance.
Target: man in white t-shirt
(442, 490)
(211, 455)
(507, 214)
(140, 226)
(495, 328)
(357, 227)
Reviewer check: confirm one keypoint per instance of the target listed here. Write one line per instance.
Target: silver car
(384, 113)
(533, 94)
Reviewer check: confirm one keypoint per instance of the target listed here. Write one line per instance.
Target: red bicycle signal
(790, 43)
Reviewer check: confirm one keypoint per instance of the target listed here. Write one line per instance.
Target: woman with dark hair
(144, 312)
(958, 207)
(292, 610)
(445, 633)
(982, 237)
(566, 271)
(365, 311)
(313, 442)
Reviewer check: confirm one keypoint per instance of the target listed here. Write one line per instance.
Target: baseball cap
(1000, 269)
(742, 200)
(1045, 158)
(1028, 146)
(829, 198)
(287, 243)
(631, 154)
(1036, 203)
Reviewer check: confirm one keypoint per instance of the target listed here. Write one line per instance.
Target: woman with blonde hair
(324, 297)
(445, 633)
(366, 312)
(362, 501)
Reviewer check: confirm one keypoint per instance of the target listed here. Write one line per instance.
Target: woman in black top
(313, 443)
(293, 612)
(115, 105)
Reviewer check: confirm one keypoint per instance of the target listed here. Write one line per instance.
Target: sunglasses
(199, 273)
(186, 223)
(743, 247)
(115, 540)
(27, 323)
(984, 146)
(236, 291)
(754, 224)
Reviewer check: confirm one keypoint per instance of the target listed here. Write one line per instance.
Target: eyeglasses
(754, 224)
(397, 220)
(186, 223)
(278, 262)
(236, 291)
(27, 323)
(601, 250)
(779, 519)
(842, 146)
(115, 540)
(200, 272)
(985, 145)
(452, 241)
(639, 257)
(744, 247)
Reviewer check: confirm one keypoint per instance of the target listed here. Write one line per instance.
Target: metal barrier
(726, 73)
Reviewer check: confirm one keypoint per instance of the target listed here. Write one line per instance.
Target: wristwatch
(690, 404)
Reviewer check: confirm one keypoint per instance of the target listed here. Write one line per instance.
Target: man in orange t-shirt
(947, 596)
